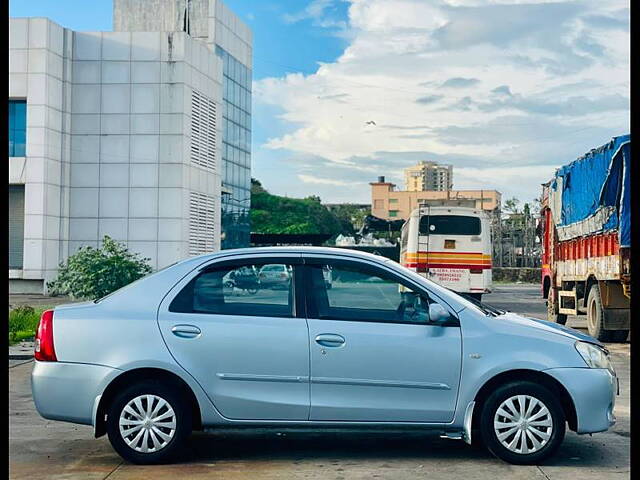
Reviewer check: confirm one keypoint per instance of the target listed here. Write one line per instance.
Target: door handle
(330, 340)
(186, 331)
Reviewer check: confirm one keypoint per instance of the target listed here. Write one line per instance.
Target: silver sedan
(177, 351)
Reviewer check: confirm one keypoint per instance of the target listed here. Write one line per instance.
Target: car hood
(550, 327)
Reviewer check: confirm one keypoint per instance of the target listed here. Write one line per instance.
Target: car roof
(303, 250)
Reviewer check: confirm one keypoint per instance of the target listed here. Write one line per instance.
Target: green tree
(92, 273)
(284, 215)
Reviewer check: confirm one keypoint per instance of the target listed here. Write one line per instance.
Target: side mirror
(438, 315)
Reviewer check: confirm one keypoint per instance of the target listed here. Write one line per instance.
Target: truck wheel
(595, 319)
(552, 313)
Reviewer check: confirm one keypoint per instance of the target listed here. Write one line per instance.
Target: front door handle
(186, 331)
(330, 340)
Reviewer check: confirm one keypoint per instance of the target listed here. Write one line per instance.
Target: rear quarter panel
(121, 332)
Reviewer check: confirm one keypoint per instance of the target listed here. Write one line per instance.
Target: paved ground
(43, 449)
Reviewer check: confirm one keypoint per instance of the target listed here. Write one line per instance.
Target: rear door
(248, 349)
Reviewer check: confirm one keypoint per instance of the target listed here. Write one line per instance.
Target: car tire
(166, 436)
(546, 412)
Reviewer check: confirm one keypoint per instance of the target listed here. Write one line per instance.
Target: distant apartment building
(428, 176)
(126, 134)
(391, 204)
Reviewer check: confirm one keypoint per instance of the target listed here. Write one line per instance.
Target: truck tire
(595, 319)
(552, 312)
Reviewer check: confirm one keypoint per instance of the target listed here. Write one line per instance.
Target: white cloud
(511, 84)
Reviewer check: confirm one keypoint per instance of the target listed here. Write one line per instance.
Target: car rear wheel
(148, 423)
(522, 423)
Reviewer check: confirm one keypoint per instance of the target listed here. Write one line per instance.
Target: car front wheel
(148, 423)
(522, 422)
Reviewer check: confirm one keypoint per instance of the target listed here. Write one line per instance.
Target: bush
(92, 273)
(23, 322)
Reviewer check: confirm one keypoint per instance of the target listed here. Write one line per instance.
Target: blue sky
(505, 90)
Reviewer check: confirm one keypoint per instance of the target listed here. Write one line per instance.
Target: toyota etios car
(177, 351)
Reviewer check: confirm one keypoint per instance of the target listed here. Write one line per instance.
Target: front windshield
(484, 307)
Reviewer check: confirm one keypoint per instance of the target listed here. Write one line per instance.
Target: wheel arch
(590, 282)
(137, 374)
(534, 376)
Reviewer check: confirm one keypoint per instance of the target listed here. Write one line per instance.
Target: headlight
(594, 356)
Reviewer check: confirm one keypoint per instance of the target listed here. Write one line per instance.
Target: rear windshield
(449, 225)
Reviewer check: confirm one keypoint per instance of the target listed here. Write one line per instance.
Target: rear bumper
(67, 391)
(593, 391)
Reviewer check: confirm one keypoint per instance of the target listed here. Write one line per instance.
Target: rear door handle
(330, 340)
(186, 331)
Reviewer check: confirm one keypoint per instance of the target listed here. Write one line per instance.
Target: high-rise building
(133, 133)
(428, 176)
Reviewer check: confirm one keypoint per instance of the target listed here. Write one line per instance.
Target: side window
(361, 293)
(250, 290)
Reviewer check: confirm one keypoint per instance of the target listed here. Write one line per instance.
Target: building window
(16, 226)
(393, 213)
(393, 200)
(17, 127)
(378, 204)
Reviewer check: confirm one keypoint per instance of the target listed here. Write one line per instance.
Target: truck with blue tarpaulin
(586, 240)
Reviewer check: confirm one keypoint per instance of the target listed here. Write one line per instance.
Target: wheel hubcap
(147, 423)
(523, 424)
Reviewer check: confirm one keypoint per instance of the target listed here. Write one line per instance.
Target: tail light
(475, 270)
(44, 351)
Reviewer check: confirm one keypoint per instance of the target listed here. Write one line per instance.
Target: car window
(361, 293)
(237, 290)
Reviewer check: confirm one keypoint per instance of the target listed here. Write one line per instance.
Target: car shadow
(259, 445)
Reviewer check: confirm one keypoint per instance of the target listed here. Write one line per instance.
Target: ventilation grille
(203, 131)
(201, 223)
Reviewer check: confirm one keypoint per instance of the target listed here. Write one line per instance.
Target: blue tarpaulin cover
(595, 192)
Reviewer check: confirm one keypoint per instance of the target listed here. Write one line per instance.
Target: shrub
(92, 273)
(23, 322)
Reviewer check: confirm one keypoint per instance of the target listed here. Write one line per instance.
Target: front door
(242, 341)
(374, 356)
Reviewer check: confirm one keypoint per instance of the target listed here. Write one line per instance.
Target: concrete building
(212, 22)
(428, 176)
(117, 133)
(392, 204)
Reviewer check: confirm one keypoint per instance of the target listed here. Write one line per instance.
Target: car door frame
(318, 259)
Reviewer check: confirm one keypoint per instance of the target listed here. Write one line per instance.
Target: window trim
(312, 310)
(297, 310)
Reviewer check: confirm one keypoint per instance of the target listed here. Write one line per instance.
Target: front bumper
(593, 391)
(67, 391)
